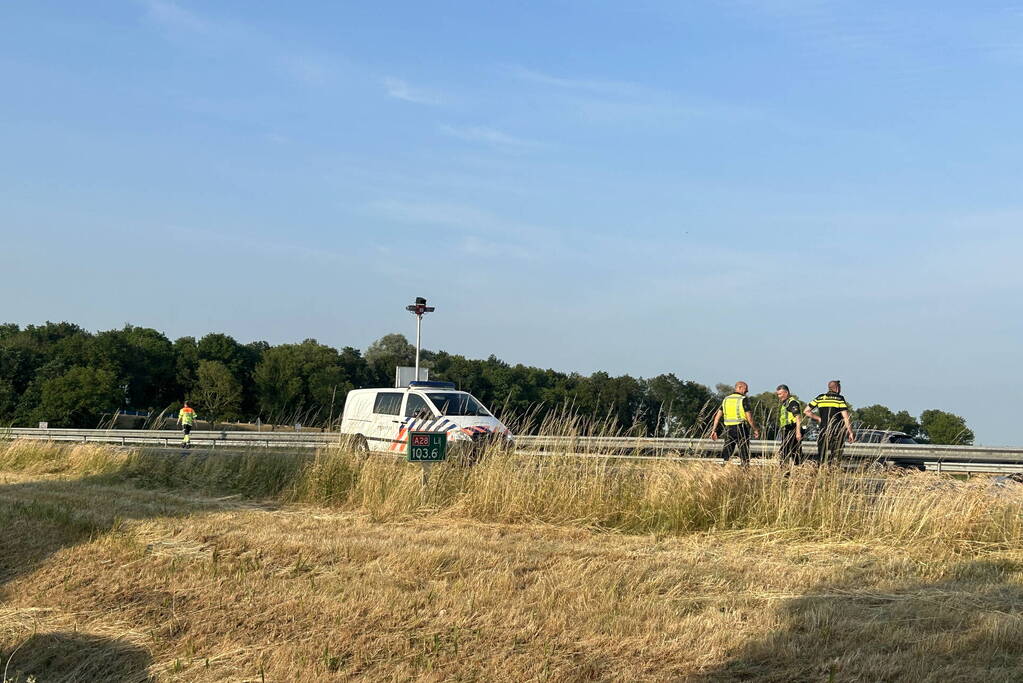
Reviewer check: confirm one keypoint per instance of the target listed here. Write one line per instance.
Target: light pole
(419, 308)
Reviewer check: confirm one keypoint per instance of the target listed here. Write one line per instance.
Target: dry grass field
(120, 565)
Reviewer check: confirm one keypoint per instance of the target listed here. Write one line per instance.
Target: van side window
(388, 403)
(416, 407)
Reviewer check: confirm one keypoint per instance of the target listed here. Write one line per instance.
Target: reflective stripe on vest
(830, 401)
(785, 416)
(732, 409)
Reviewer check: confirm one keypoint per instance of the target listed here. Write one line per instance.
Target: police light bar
(431, 385)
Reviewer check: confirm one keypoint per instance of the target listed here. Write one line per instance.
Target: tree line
(69, 377)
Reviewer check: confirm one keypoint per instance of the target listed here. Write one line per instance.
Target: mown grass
(127, 565)
(658, 497)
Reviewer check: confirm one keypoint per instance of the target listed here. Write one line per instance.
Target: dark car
(868, 436)
(882, 436)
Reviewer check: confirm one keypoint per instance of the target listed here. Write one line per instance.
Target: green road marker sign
(427, 446)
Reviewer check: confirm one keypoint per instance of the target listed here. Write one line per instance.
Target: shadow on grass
(964, 628)
(64, 656)
(41, 518)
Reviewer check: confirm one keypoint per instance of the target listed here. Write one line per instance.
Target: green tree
(8, 402)
(357, 370)
(143, 361)
(38, 353)
(940, 427)
(881, 417)
(217, 393)
(876, 416)
(683, 406)
(8, 330)
(80, 397)
(17, 366)
(722, 389)
(321, 381)
(240, 359)
(327, 388)
(389, 352)
(278, 384)
(186, 364)
(765, 407)
(224, 349)
(904, 422)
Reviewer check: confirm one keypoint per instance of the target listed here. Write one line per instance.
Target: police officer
(833, 415)
(186, 417)
(790, 428)
(738, 417)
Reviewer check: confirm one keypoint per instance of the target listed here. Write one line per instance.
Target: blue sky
(775, 190)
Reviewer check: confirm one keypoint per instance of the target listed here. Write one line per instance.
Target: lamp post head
(420, 307)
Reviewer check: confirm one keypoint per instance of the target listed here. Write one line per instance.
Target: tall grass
(653, 497)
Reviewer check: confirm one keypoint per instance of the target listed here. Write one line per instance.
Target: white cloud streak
(489, 136)
(400, 90)
(482, 232)
(612, 102)
(620, 88)
(243, 42)
(174, 16)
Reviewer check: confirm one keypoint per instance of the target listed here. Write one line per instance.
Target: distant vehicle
(868, 436)
(882, 436)
(380, 419)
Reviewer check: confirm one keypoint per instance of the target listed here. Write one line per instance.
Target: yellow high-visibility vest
(732, 410)
(187, 416)
(785, 416)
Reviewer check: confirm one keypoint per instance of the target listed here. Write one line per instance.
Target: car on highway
(868, 436)
(380, 419)
(882, 436)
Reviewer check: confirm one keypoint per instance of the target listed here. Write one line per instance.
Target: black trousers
(831, 443)
(736, 442)
(790, 450)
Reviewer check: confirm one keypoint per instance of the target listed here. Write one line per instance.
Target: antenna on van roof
(419, 308)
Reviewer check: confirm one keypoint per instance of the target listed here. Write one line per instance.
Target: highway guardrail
(919, 454)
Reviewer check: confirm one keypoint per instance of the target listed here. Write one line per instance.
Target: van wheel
(360, 445)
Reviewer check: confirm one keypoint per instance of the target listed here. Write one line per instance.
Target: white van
(380, 419)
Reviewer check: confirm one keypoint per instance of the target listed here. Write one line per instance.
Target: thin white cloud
(483, 233)
(173, 15)
(620, 88)
(290, 251)
(245, 42)
(451, 215)
(401, 90)
(308, 69)
(613, 102)
(487, 135)
(476, 246)
(277, 138)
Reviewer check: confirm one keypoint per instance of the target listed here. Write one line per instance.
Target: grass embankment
(118, 565)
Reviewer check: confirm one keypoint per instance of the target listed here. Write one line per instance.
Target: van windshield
(457, 403)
